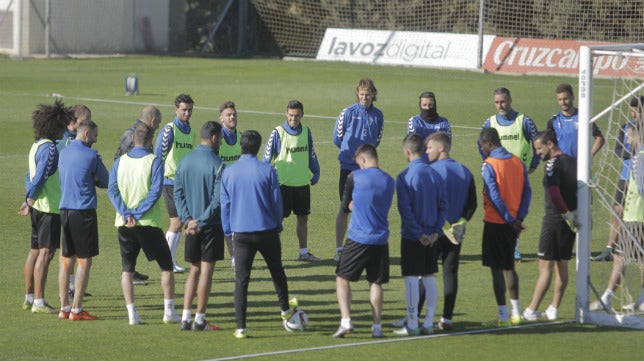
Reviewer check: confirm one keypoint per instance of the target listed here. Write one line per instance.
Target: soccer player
(633, 217)
(516, 131)
(251, 209)
(80, 113)
(290, 149)
(229, 150)
(135, 187)
(428, 121)
(358, 124)
(565, 123)
(368, 195)
(422, 204)
(197, 186)
(174, 141)
(559, 224)
(81, 170)
(461, 205)
(622, 151)
(150, 117)
(506, 195)
(41, 202)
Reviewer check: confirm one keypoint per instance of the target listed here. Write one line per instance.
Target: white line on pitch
(397, 339)
(97, 100)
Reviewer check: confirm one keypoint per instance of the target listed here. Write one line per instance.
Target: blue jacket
(461, 191)
(81, 170)
(251, 199)
(422, 200)
(197, 184)
(274, 144)
(418, 125)
(371, 190)
(156, 186)
(354, 127)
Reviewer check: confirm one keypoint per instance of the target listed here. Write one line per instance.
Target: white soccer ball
(298, 321)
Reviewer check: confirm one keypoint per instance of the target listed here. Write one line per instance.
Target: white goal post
(628, 63)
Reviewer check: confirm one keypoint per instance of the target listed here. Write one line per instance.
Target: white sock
(131, 311)
(186, 315)
(413, 293)
(29, 297)
(431, 297)
(516, 309)
(304, 250)
(171, 238)
(503, 313)
(551, 309)
(169, 306)
(39, 302)
(346, 323)
(76, 310)
(200, 318)
(607, 296)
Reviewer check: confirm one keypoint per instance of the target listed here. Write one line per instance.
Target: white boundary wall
(81, 26)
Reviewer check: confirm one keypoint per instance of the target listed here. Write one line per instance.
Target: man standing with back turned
(506, 198)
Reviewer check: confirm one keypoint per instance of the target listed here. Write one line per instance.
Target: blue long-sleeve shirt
(422, 200)
(156, 186)
(81, 170)
(489, 182)
(67, 138)
(46, 165)
(418, 125)
(251, 199)
(274, 144)
(460, 187)
(197, 185)
(165, 140)
(529, 132)
(354, 127)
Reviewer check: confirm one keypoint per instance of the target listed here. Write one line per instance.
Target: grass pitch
(261, 90)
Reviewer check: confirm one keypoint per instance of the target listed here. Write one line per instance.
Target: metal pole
(479, 58)
(17, 29)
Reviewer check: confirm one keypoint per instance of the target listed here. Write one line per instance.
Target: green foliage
(261, 89)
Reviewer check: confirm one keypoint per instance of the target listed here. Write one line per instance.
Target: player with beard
(558, 226)
(428, 121)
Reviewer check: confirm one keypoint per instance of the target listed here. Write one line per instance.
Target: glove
(458, 229)
(449, 233)
(571, 220)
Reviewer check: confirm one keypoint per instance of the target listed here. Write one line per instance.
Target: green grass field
(261, 89)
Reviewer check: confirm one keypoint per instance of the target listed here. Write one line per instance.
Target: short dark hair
(441, 137)
(564, 88)
(86, 124)
(225, 105)
(490, 135)
(427, 94)
(502, 90)
(142, 135)
(638, 102)
(414, 143)
(210, 128)
(546, 136)
(250, 142)
(183, 98)
(368, 150)
(49, 121)
(295, 104)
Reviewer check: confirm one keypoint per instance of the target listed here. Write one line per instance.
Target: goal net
(609, 293)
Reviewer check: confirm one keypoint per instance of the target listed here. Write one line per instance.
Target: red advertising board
(538, 56)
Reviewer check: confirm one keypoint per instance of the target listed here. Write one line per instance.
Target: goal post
(627, 67)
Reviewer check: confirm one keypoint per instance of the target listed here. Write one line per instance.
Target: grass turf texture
(261, 89)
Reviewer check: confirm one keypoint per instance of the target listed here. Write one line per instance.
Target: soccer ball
(298, 321)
